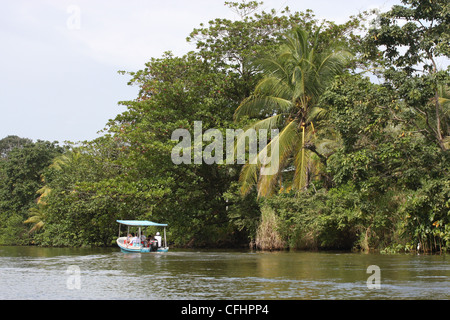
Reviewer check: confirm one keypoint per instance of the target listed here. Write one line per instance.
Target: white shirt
(135, 240)
(158, 238)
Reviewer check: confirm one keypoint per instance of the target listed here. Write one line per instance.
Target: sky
(59, 59)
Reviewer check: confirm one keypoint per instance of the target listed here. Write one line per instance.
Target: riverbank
(250, 248)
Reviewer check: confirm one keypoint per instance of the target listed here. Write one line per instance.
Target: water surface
(47, 273)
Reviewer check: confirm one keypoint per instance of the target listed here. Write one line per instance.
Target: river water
(107, 273)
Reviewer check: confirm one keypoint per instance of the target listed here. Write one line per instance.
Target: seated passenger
(128, 239)
(143, 240)
(135, 240)
(149, 240)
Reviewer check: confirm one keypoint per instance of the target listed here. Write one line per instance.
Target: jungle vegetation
(363, 114)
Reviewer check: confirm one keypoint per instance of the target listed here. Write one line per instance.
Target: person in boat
(158, 238)
(129, 237)
(135, 240)
(149, 240)
(143, 240)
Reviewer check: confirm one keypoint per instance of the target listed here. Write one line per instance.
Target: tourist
(135, 240)
(158, 238)
(143, 240)
(128, 240)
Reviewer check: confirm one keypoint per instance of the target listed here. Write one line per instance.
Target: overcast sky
(59, 59)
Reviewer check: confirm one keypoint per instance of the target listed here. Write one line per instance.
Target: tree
(359, 152)
(9, 143)
(231, 45)
(175, 92)
(287, 97)
(412, 39)
(131, 174)
(206, 86)
(79, 203)
(21, 174)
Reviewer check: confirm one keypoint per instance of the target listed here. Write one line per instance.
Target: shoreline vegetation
(362, 111)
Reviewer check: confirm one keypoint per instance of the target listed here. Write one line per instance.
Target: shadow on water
(107, 273)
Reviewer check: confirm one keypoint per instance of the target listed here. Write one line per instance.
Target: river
(107, 273)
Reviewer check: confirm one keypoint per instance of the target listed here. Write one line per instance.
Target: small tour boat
(149, 245)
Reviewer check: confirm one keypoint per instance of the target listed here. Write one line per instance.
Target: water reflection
(40, 273)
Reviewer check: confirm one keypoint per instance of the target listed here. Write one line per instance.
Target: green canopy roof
(141, 223)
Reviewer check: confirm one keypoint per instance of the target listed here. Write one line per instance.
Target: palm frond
(248, 177)
(37, 216)
(279, 148)
(317, 113)
(273, 122)
(256, 106)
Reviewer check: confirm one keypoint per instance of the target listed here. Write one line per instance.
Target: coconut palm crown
(287, 98)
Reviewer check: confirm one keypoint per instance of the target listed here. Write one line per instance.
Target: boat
(153, 245)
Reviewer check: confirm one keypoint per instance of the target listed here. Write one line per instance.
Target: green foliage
(243, 211)
(322, 220)
(426, 216)
(77, 209)
(176, 92)
(11, 142)
(287, 98)
(377, 162)
(387, 162)
(411, 54)
(21, 167)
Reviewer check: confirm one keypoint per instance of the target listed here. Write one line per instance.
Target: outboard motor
(154, 245)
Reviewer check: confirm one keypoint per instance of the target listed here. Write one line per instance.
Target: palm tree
(287, 98)
(37, 217)
(37, 214)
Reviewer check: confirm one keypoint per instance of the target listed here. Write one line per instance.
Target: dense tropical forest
(363, 115)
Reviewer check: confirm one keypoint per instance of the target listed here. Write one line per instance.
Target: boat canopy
(141, 223)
